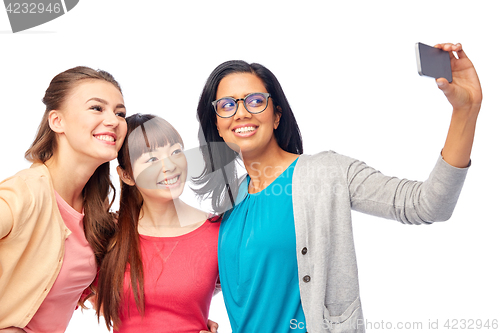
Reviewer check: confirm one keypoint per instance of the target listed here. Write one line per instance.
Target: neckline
(271, 183)
(67, 207)
(191, 233)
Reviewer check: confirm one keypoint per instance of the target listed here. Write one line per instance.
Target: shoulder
(34, 182)
(214, 222)
(324, 156)
(324, 170)
(34, 179)
(325, 159)
(25, 195)
(36, 175)
(214, 218)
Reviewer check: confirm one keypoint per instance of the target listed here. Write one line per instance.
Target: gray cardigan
(325, 187)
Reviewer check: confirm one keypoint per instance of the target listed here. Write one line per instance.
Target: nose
(167, 165)
(111, 119)
(241, 112)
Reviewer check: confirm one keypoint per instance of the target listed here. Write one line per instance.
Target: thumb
(445, 86)
(442, 84)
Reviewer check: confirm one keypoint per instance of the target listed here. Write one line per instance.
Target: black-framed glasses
(226, 107)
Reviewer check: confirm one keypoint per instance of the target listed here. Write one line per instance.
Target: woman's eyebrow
(100, 100)
(103, 101)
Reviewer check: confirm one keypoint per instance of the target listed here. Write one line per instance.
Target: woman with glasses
(286, 251)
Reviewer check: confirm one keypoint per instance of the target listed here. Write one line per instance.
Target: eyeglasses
(226, 107)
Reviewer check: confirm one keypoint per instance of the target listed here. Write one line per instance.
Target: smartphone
(433, 62)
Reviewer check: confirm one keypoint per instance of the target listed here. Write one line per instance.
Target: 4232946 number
(33, 8)
(470, 324)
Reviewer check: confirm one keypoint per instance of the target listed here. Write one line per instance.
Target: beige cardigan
(32, 236)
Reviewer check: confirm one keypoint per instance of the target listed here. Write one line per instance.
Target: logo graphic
(26, 14)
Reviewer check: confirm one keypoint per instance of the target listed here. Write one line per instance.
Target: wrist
(466, 114)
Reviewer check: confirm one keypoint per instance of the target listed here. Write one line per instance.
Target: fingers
(450, 47)
(212, 326)
(461, 54)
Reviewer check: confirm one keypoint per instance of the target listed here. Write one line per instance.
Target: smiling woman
(286, 249)
(160, 272)
(54, 217)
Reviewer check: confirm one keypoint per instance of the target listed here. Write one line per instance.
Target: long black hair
(145, 133)
(219, 178)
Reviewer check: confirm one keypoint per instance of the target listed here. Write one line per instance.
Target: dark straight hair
(218, 185)
(145, 133)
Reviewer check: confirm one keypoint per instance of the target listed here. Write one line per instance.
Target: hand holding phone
(433, 62)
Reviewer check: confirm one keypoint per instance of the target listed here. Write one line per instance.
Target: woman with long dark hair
(160, 271)
(54, 217)
(286, 250)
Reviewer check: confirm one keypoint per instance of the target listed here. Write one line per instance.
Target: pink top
(180, 274)
(77, 273)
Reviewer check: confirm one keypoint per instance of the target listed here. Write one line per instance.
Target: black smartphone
(433, 62)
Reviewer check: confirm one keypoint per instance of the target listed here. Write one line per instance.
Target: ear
(124, 176)
(56, 122)
(277, 116)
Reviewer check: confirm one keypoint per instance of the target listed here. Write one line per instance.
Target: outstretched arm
(465, 96)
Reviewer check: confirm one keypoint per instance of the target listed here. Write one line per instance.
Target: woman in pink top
(160, 272)
(54, 217)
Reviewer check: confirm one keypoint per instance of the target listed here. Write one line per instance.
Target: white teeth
(245, 129)
(170, 181)
(105, 138)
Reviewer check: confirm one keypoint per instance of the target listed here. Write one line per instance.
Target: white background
(349, 72)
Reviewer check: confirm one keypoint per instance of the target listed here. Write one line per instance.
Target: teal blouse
(257, 260)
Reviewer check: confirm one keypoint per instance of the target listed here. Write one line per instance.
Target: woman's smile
(245, 131)
(169, 182)
(106, 138)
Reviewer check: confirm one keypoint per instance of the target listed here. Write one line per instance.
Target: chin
(176, 194)
(108, 157)
(168, 197)
(248, 150)
(171, 194)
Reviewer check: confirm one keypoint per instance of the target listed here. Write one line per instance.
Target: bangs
(147, 136)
